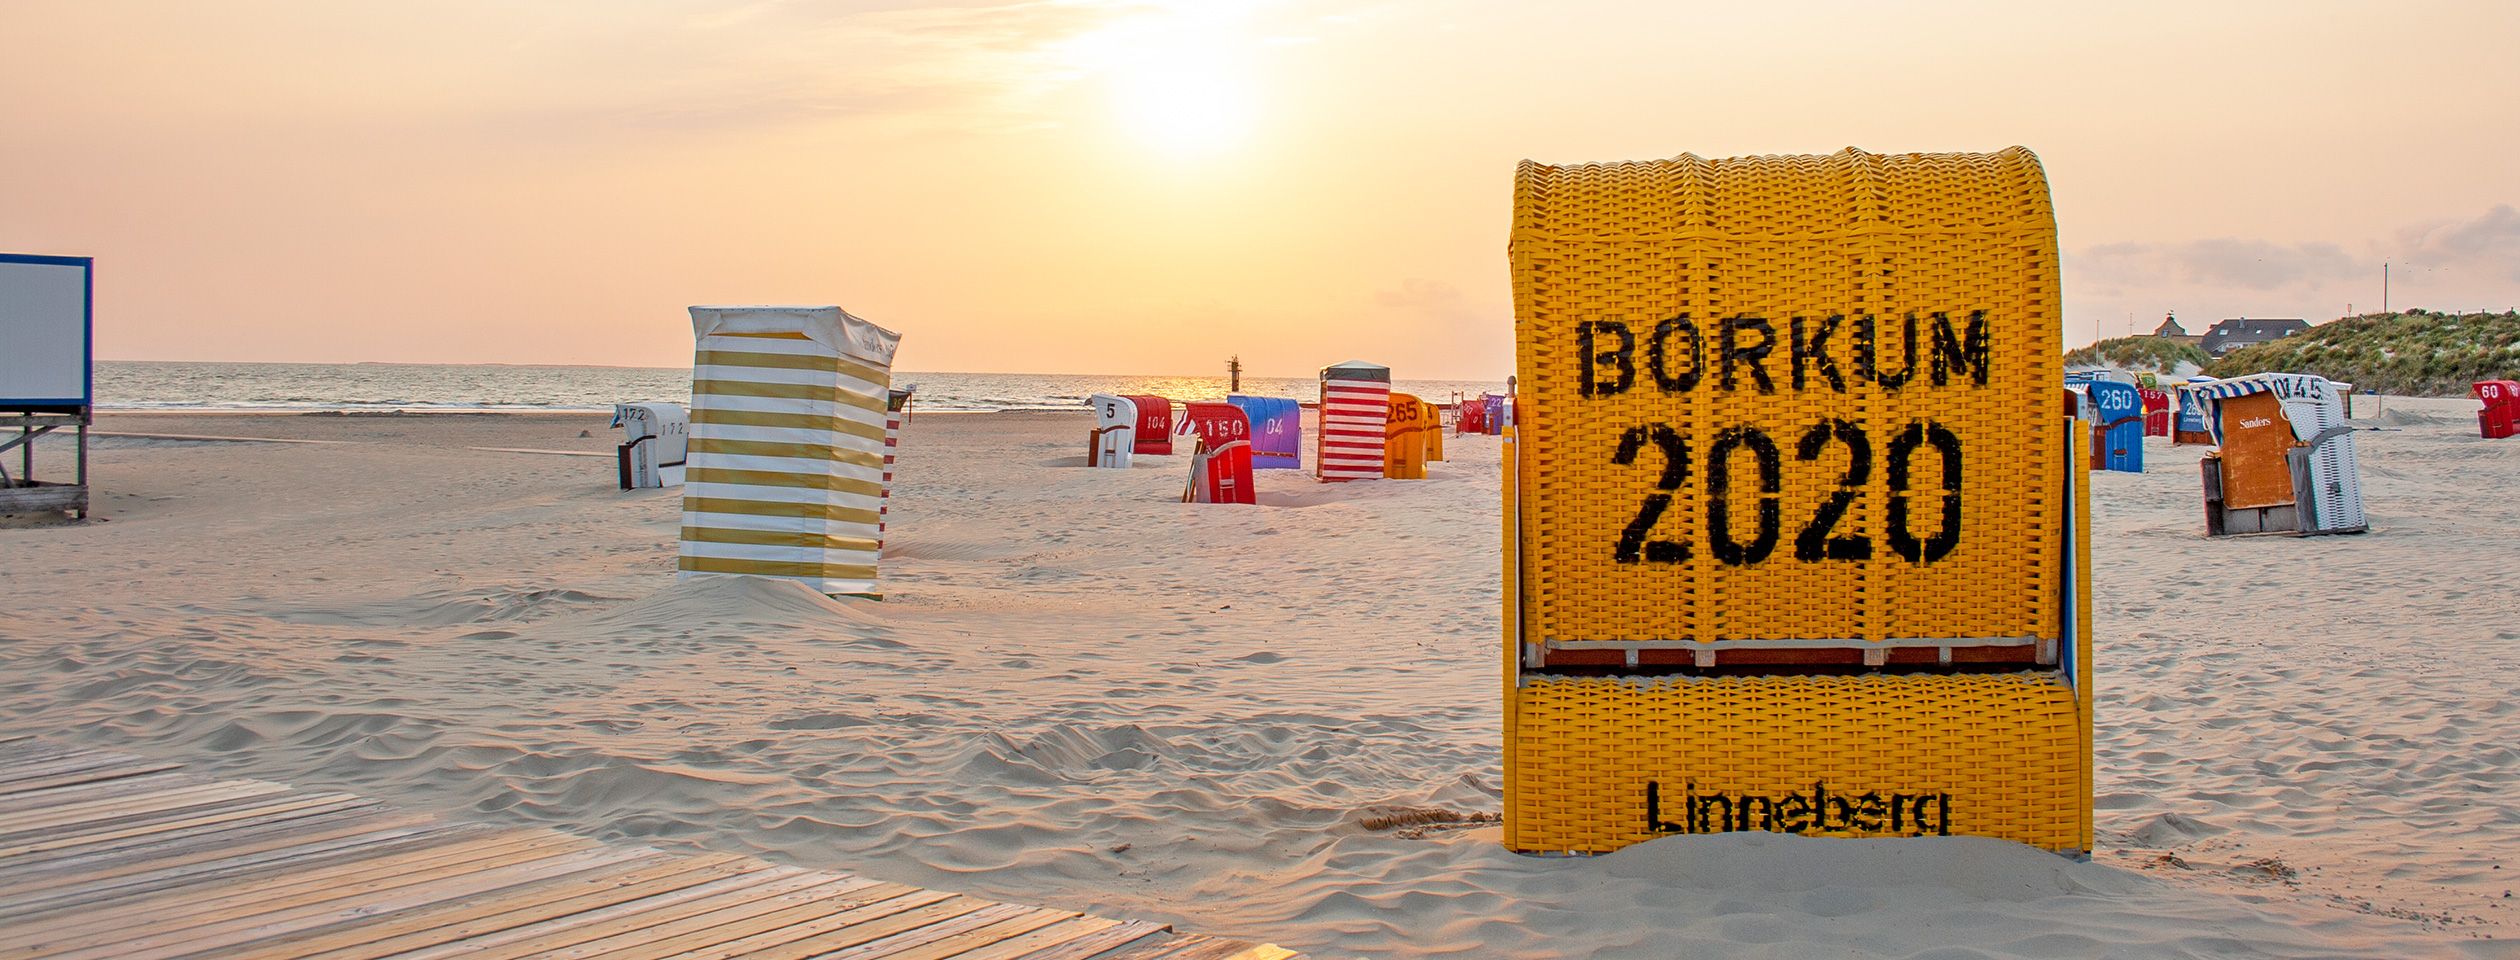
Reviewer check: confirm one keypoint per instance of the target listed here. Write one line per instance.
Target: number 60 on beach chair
(1793, 535)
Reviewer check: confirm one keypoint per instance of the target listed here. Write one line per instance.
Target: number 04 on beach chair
(1793, 534)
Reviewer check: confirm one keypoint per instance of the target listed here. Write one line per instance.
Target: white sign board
(45, 348)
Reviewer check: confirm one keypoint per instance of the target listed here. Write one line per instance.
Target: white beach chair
(1115, 431)
(655, 436)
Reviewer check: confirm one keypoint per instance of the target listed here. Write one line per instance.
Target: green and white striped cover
(785, 470)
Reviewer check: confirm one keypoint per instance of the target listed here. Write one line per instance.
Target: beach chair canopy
(2313, 403)
(1355, 401)
(654, 436)
(2117, 426)
(1404, 441)
(1154, 425)
(2101, 375)
(2319, 465)
(1115, 429)
(1220, 469)
(1277, 431)
(2500, 416)
(785, 467)
(2156, 412)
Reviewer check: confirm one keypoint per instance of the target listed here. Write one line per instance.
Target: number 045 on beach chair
(1794, 525)
(784, 475)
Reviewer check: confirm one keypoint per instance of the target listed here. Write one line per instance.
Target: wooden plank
(176, 833)
(1031, 944)
(1153, 949)
(430, 926)
(545, 921)
(227, 869)
(112, 794)
(153, 852)
(274, 901)
(19, 774)
(887, 946)
(839, 892)
(192, 837)
(98, 823)
(818, 903)
(159, 851)
(30, 769)
(565, 935)
(52, 755)
(953, 908)
(1201, 948)
(40, 752)
(269, 920)
(107, 855)
(950, 945)
(340, 878)
(74, 931)
(356, 923)
(34, 790)
(21, 767)
(176, 798)
(212, 817)
(578, 928)
(769, 941)
(1127, 935)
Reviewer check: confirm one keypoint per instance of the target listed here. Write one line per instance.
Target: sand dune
(1080, 692)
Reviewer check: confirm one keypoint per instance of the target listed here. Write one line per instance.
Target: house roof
(2233, 334)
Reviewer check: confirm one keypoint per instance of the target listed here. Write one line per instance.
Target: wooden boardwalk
(104, 855)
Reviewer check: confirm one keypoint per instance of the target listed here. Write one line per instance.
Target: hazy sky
(1137, 187)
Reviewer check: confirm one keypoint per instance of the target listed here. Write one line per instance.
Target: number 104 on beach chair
(1793, 520)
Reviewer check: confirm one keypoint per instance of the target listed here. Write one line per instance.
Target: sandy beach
(1276, 722)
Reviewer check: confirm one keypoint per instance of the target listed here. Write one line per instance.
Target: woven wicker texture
(1719, 309)
(1404, 438)
(1995, 755)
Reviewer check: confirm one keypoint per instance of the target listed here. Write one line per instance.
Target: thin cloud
(2488, 244)
(2483, 247)
(2223, 262)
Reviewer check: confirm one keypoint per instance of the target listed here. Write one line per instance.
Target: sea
(424, 387)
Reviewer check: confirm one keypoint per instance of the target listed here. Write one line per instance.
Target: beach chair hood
(784, 474)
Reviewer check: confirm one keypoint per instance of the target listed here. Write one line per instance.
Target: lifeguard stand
(47, 375)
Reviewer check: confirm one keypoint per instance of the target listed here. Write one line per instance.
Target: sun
(1183, 108)
(1179, 78)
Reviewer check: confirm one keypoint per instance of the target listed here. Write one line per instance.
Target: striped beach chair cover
(1355, 399)
(896, 409)
(786, 463)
